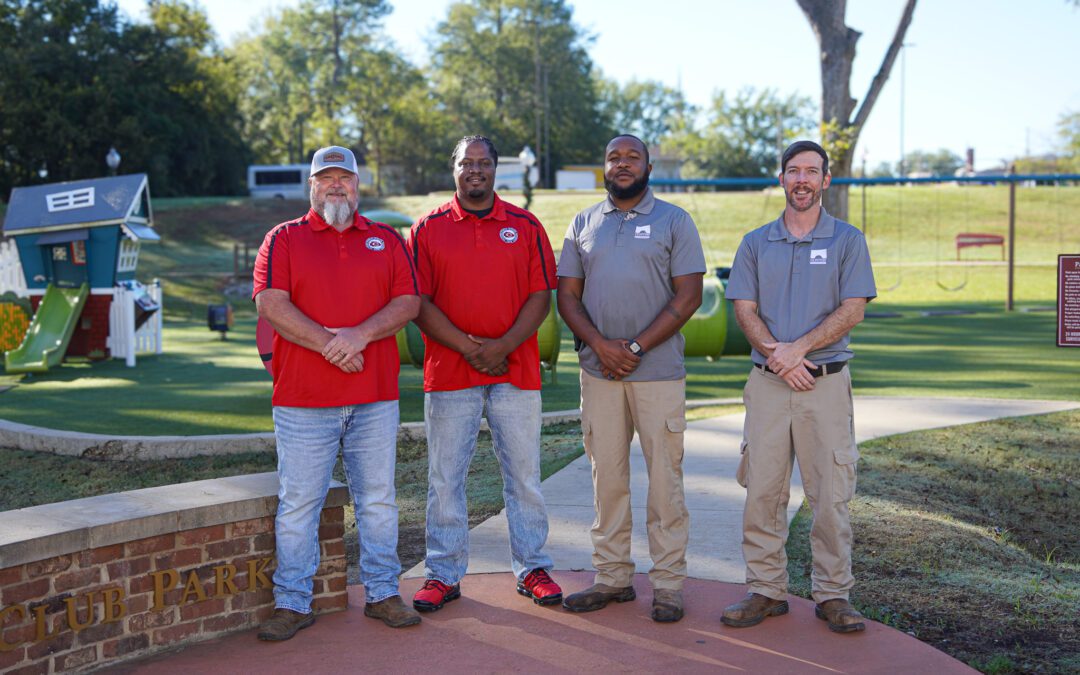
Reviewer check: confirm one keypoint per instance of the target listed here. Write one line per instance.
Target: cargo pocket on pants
(676, 426)
(744, 464)
(844, 473)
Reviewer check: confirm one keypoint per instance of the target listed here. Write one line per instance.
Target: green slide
(50, 331)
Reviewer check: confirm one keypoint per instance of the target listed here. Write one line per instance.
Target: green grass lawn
(966, 538)
(202, 385)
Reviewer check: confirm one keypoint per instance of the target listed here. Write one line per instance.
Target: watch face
(635, 347)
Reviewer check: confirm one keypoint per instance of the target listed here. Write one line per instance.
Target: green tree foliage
(518, 72)
(941, 163)
(650, 110)
(742, 136)
(319, 74)
(883, 170)
(78, 79)
(295, 72)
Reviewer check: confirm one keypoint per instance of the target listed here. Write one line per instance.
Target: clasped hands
(346, 349)
(616, 359)
(790, 363)
(488, 356)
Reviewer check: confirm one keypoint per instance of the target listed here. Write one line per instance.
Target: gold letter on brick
(193, 587)
(42, 629)
(14, 609)
(256, 576)
(223, 576)
(73, 615)
(114, 608)
(160, 585)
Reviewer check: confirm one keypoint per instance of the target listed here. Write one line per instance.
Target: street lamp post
(528, 160)
(112, 160)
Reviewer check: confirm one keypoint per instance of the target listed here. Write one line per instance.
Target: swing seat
(966, 239)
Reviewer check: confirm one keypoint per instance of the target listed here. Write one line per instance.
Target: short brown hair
(804, 146)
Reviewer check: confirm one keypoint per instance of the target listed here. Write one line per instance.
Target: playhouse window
(129, 255)
(78, 252)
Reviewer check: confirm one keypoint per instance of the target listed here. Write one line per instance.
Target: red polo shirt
(479, 272)
(337, 279)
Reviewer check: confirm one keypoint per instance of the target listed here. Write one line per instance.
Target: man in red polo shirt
(486, 271)
(336, 287)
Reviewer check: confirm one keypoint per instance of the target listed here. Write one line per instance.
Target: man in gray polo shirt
(799, 285)
(630, 276)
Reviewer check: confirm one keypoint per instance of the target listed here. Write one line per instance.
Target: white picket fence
(124, 341)
(11, 272)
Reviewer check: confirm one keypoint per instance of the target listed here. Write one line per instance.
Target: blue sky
(995, 75)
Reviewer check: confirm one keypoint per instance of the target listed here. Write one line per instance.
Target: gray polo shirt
(627, 259)
(798, 282)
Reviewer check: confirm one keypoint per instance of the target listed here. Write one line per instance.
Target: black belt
(824, 369)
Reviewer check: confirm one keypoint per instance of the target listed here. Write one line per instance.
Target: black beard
(630, 191)
(477, 193)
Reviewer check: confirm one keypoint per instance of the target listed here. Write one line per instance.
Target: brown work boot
(842, 617)
(283, 624)
(393, 611)
(666, 605)
(597, 597)
(752, 610)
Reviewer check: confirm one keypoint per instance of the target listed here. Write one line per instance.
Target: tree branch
(886, 66)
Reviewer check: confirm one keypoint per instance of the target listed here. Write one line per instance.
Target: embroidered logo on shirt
(508, 235)
(818, 256)
(642, 231)
(375, 244)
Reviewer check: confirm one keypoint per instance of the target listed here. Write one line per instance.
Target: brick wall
(92, 329)
(86, 609)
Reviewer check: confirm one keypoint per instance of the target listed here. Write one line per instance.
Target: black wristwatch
(635, 348)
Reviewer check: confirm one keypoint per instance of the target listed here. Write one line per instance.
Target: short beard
(815, 199)
(630, 191)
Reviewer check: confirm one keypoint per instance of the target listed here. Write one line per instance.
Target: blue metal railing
(768, 182)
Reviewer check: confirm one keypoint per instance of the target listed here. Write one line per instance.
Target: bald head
(622, 138)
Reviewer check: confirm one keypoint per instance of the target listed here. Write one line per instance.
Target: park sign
(1068, 302)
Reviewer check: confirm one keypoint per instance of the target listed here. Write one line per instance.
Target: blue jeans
(308, 440)
(453, 421)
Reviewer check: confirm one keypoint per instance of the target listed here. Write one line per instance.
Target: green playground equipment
(712, 331)
(50, 332)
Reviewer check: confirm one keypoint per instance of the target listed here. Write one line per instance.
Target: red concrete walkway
(492, 629)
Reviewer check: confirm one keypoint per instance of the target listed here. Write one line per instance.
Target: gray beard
(336, 213)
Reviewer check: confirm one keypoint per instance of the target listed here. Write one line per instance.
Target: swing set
(970, 237)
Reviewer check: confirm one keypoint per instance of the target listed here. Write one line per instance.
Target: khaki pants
(817, 428)
(610, 412)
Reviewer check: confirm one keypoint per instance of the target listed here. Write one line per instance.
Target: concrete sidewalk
(714, 499)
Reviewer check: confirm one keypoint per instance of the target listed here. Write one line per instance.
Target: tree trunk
(839, 129)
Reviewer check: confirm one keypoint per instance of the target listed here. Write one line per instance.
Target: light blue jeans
(452, 420)
(308, 441)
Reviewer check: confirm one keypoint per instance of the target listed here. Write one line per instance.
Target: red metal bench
(965, 239)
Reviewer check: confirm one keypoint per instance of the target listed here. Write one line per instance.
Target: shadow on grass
(965, 537)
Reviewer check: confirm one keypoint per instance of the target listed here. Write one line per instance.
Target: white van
(278, 181)
(289, 181)
(510, 174)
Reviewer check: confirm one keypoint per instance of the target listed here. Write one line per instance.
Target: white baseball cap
(331, 157)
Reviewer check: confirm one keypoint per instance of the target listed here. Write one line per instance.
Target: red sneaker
(540, 587)
(434, 595)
